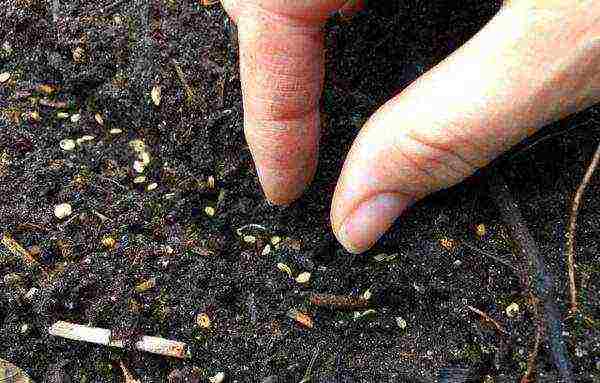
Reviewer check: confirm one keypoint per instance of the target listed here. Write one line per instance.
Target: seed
(155, 93)
(138, 166)
(209, 211)
(367, 294)
(31, 293)
(115, 131)
(67, 144)
(301, 318)
(75, 118)
(47, 88)
(137, 145)
(203, 320)
(275, 240)
(144, 157)
(249, 239)
(4, 76)
(210, 182)
(218, 378)
(512, 310)
(152, 186)
(108, 242)
(139, 180)
(62, 115)
(447, 243)
(358, 314)
(385, 257)
(62, 210)
(35, 116)
(401, 322)
(24, 328)
(266, 250)
(99, 119)
(303, 277)
(87, 138)
(480, 230)
(285, 268)
(78, 54)
(146, 285)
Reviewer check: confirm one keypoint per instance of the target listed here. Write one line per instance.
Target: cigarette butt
(102, 336)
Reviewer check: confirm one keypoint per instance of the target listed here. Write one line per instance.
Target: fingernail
(370, 220)
(284, 187)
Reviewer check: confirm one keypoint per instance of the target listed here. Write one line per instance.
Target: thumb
(527, 67)
(281, 68)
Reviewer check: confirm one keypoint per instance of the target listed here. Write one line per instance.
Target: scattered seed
(301, 318)
(303, 277)
(146, 285)
(152, 186)
(24, 328)
(447, 243)
(75, 118)
(4, 76)
(67, 144)
(209, 211)
(218, 378)
(137, 145)
(47, 88)
(249, 239)
(78, 54)
(385, 257)
(108, 242)
(138, 166)
(99, 119)
(31, 293)
(512, 310)
(401, 322)
(240, 230)
(62, 115)
(266, 250)
(115, 131)
(285, 268)
(358, 314)
(33, 116)
(275, 240)
(203, 320)
(367, 294)
(210, 182)
(139, 180)
(144, 157)
(62, 210)
(84, 139)
(155, 93)
(480, 230)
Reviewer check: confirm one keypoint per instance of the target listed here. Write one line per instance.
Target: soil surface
(197, 237)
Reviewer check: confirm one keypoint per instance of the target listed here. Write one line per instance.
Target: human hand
(536, 61)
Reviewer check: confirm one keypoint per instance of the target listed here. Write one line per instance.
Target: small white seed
(155, 93)
(285, 268)
(139, 180)
(138, 166)
(512, 310)
(303, 277)
(62, 210)
(144, 157)
(152, 186)
(99, 119)
(115, 131)
(367, 294)
(67, 144)
(266, 250)
(75, 118)
(401, 322)
(249, 239)
(209, 211)
(4, 76)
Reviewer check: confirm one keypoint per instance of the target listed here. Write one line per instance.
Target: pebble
(266, 250)
(62, 210)
(67, 144)
(4, 76)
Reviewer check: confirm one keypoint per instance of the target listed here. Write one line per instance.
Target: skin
(535, 62)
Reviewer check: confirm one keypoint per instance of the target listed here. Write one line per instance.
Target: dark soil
(201, 264)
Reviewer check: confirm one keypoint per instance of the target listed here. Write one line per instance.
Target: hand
(536, 61)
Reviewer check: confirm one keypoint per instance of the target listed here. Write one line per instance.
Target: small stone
(67, 144)
(99, 119)
(512, 310)
(401, 322)
(155, 93)
(4, 76)
(303, 277)
(152, 186)
(139, 180)
(209, 211)
(115, 131)
(62, 210)
(218, 378)
(138, 166)
(75, 118)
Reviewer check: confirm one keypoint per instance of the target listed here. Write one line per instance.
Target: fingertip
(283, 187)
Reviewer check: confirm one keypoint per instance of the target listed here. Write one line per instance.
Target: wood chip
(4, 76)
(103, 336)
(155, 93)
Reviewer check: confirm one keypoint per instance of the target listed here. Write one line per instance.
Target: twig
(539, 332)
(188, 90)
(489, 319)
(540, 280)
(103, 336)
(309, 370)
(570, 236)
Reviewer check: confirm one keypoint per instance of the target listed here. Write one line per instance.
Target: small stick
(18, 250)
(339, 301)
(103, 336)
(489, 319)
(539, 332)
(308, 374)
(570, 236)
